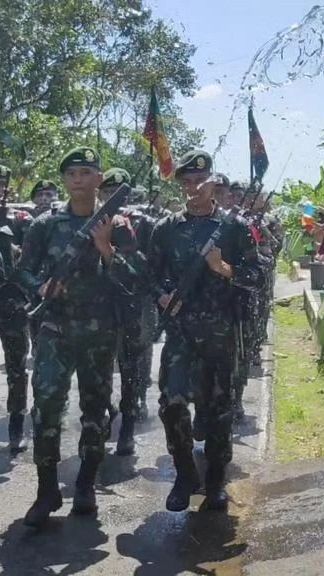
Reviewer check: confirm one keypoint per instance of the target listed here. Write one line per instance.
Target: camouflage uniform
(143, 226)
(13, 331)
(37, 194)
(265, 295)
(13, 319)
(134, 346)
(132, 341)
(78, 333)
(199, 353)
(49, 204)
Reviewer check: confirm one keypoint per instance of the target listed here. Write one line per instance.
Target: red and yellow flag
(155, 134)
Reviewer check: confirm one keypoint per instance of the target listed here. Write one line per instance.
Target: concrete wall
(314, 308)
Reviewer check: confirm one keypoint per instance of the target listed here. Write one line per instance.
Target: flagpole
(251, 171)
(251, 157)
(151, 169)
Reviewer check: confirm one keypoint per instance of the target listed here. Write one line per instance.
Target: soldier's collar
(183, 215)
(67, 208)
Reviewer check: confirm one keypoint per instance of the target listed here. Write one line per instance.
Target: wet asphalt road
(133, 533)
(271, 516)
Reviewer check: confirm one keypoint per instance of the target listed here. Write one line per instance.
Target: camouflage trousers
(200, 372)
(149, 326)
(135, 351)
(240, 378)
(15, 344)
(60, 352)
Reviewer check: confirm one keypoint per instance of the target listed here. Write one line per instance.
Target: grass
(299, 388)
(283, 267)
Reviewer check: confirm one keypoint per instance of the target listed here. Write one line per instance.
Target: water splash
(294, 53)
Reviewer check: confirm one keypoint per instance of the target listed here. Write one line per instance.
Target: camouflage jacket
(142, 224)
(175, 243)
(275, 228)
(91, 291)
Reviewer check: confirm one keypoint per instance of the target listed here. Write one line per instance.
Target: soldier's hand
(101, 235)
(217, 264)
(164, 302)
(58, 290)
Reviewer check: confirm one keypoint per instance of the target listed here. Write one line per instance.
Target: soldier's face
(235, 198)
(259, 203)
(81, 181)
(248, 201)
(222, 196)
(44, 198)
(191, 185)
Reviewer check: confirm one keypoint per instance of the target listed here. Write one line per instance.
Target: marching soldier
(13, 318)
(78, 333)
(44, 194)
(199, 352)
(132, 342)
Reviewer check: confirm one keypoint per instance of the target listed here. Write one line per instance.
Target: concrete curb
(266, 401)
(313, 309)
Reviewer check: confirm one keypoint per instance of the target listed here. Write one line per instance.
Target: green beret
(193, 162)
(115, 176)
(83, 156)
(221, 180)
(137, 195)
(236, 185)
(5, 172)
(43, 185)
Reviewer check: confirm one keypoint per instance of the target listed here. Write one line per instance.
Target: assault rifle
(257, 218)
(194, 271)
(70, 258)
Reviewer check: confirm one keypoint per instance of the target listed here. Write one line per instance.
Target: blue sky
(227, 34)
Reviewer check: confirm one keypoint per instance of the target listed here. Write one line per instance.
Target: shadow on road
(170, 544)
(6, 465)
(4, 421)
(69, 543)
(163, 472)
(247, 427)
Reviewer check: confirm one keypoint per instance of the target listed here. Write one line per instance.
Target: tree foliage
(81, 71)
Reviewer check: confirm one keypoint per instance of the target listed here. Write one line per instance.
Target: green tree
(81, 71)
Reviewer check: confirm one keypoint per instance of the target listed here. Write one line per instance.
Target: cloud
(208, 92)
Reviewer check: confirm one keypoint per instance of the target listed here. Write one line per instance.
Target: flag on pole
(155, 134)
(258, 154)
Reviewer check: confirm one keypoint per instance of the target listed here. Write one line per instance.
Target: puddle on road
(231, 567)
(210, 542)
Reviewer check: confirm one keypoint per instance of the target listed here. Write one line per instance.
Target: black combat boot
(84, 501)
(17, 441)
(186, 483)
(126, 442)
(216, 495)
(49, 498)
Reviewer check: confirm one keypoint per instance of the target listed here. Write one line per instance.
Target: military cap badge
(89, 155)
(201, 162)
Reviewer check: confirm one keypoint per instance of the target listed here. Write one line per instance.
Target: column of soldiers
(108, 310)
